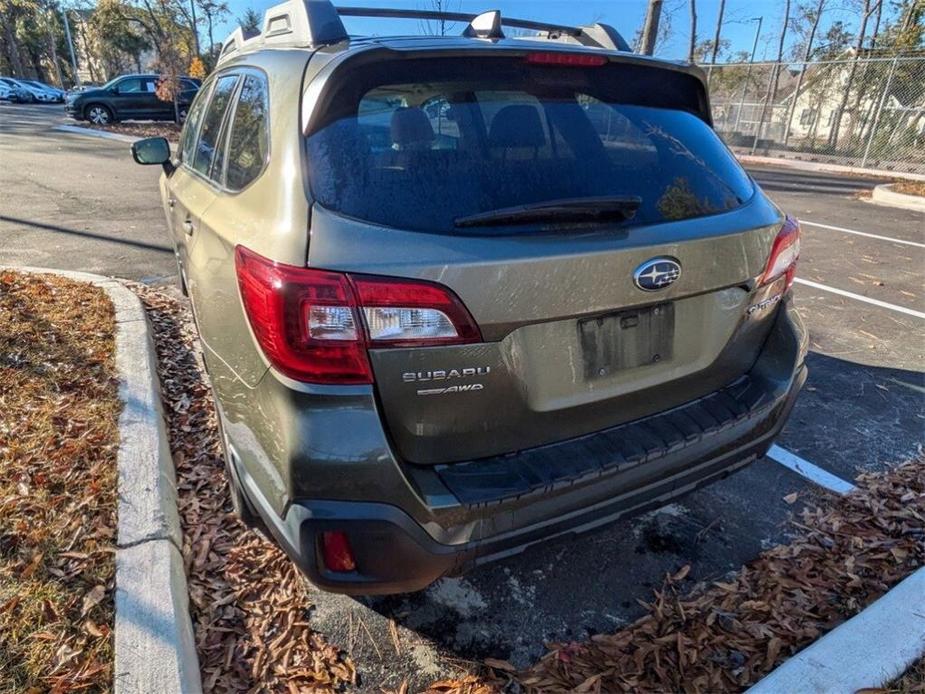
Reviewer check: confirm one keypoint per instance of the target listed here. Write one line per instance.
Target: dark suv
(457, 295)
(129, 97)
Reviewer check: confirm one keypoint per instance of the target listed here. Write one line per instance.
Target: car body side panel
(270, 216)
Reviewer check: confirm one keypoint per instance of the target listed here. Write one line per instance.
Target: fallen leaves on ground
(249, 604)
(248, 601)
(141, 129)
(726, 636)
(59, 410)
(910, 187)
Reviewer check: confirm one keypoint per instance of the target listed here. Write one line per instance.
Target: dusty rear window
(421, 145)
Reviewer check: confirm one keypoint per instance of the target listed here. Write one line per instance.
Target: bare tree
(771, 95)
(10, 11)
(719, 28)
(214, 11)
(250, 22)
(716, 39)
(692, 44)
(650, 29)
(812, 16)
(867, 9)
(437, 27)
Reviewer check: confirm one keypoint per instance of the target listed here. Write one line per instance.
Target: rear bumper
(484, 510)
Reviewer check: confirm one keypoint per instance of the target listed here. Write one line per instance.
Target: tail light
(315, 326)
(785, 251)
(336, 551)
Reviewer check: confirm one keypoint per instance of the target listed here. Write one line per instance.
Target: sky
(739, 24)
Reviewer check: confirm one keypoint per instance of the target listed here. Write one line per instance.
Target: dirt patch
(59, 410)
(249, 604)
(141, 129)
(910, 188)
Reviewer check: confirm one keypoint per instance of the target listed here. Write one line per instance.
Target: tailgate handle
(188, 227)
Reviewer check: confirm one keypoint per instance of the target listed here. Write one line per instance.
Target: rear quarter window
(249, 141)
(420, 144)
(207, 154)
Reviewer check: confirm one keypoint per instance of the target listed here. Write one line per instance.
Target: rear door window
(133, 85)
(248, 141)
(191, 126)
(207, 146)
(422, 144)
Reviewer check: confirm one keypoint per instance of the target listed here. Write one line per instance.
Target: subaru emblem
(657, 274)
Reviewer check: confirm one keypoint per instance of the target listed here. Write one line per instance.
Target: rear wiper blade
(596, 209)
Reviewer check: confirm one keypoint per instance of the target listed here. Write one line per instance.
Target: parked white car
(33, 92)
(58, 94)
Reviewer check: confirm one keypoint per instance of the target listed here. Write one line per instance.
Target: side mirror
(153, 150)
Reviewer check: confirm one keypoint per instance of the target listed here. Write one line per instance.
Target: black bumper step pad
(503, 477)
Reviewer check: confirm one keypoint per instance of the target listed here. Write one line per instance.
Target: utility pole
(70, 45)
(748, 72)
(650, 29)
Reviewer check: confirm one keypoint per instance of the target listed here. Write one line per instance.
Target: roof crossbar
(595, 35)
(387, 12)
(303, 23)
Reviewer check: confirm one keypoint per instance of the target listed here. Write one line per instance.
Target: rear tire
(99, 114)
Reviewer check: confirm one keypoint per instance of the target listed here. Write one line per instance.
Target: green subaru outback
(459, 295)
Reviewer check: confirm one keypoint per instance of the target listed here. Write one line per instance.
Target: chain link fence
(867, 113)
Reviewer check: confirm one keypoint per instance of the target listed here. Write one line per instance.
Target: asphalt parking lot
(72, 202)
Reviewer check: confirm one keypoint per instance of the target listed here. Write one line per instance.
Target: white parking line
(806, 469)
(858, 297)
(863, 233)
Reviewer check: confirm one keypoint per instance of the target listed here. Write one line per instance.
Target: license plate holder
(626, 339)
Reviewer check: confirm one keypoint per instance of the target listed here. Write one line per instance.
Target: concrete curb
(821, 167)
(885, 195)
(868, 650)
(154, 645)
(90, 132)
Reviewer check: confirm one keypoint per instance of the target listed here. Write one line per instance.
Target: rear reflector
(566, 59)
(785, 251)
(336, 552)
(315, 326)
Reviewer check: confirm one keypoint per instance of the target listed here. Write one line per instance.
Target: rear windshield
(422, 145)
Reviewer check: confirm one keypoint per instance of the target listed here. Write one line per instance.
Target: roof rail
(294, 23)
(303, 23)
(594, 36)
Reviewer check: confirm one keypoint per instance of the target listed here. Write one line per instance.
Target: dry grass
(912, 681)
(59, 410)
(910, 187)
